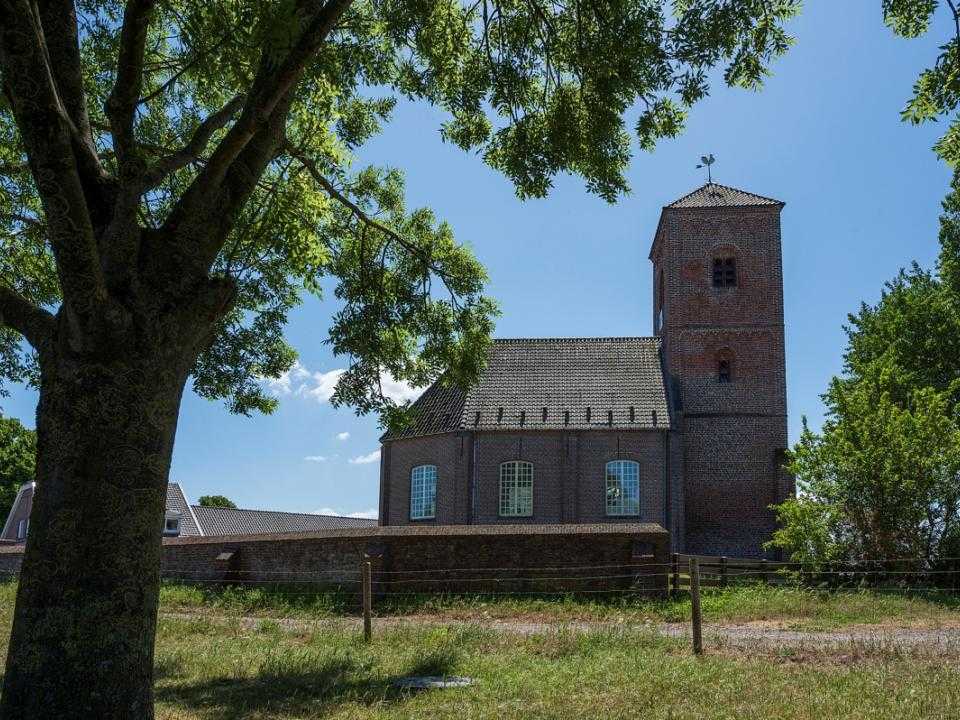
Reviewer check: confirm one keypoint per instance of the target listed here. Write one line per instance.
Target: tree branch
(191, 151)
(225, 179)
(956, 19)
(47, 134)
(34, 323)
(59, 21)
(361, 215)
(121, 106)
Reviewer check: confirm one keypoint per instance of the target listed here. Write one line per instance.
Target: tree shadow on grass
(312, 689)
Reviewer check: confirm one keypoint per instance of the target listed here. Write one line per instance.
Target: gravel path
(937, 641)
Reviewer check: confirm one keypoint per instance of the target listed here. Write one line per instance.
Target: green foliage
(18, 455)
(216, 501)
(936, 93)
(534, 88)
(882, 478)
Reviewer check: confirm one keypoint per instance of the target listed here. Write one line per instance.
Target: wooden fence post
(675, 567)
(723, 571)
(695, 606)
(367, 601)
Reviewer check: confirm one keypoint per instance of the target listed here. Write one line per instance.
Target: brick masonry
(406, 559)
(569, 475)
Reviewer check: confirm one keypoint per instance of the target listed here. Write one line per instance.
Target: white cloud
(316, 458)
(366, 459)
(289, 382)
(398, 390)
(370, 514)
(343, 436)
(298, 380)
(322, 385)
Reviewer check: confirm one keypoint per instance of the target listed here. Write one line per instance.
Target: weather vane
(706, 161)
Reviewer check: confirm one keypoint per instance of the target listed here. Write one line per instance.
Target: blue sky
(862, 189)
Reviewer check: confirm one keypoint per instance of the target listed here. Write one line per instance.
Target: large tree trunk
(84, 625)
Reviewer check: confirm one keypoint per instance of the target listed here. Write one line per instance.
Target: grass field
(213, 663)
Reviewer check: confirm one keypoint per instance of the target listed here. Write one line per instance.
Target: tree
(175, 175)
(18, 452)
(882, 478)
(216, 501)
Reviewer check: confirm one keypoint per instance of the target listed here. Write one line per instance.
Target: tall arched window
(516, 489)
(623, 487)
(423, 492)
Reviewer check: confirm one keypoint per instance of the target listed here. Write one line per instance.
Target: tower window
(723, 371)
(725, 272)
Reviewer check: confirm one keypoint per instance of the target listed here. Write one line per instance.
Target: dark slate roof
(524, 376)
(236, 521)
(177, 502)
(716, 195)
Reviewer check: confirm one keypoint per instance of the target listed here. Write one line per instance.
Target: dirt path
(765, 635)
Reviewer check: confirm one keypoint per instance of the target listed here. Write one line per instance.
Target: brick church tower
(718, 309)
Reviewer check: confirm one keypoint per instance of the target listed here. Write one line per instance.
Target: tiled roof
(439, 409)
(554, 384)
(177, 502)
(235, 521)
(716, 195)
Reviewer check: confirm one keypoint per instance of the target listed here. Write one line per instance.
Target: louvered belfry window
(724, 272)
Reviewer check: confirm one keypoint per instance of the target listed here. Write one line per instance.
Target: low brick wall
(458, 558)
(10, 558)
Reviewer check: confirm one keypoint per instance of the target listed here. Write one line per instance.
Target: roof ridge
(582, 338)
(278, 512)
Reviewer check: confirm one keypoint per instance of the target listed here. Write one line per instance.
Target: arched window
(423, 492)
(623, 487)
(516, 489)
(724, 272)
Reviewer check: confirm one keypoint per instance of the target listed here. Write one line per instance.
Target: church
(686, 428)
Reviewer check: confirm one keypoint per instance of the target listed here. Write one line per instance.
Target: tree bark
(84, 625)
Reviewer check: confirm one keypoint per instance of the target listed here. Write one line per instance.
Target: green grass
(793, 606)
(207, 670)
(213, 664)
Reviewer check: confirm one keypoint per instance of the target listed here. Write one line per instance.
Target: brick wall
(406, 558)
(569, 474)
(10, 558)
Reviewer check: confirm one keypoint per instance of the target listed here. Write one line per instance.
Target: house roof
(177, 502)
(237, 521)
(553, 384)
(717, 195)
